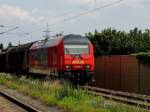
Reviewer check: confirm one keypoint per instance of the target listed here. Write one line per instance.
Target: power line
(9, 30)
(76, 16)
(87, 12)
(64, 14)
(66, 19)
(36, 30)
(77, 8)
(17, 33)
(81, 14)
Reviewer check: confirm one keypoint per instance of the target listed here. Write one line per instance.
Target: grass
(63, 95)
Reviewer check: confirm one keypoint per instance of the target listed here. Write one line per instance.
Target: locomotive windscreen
(76, 49)
(76, 44)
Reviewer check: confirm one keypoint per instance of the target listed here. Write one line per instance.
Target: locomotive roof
(46, 43)
(75, 39)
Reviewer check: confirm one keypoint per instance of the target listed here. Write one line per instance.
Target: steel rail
(24, 106)
(124, 97)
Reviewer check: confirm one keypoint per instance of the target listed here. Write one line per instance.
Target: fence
(122, 72)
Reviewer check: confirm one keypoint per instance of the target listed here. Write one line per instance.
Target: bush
(113, 42)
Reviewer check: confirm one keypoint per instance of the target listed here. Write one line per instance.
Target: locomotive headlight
(68, 66)
(87, 66)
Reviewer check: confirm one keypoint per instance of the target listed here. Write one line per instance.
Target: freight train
(70, 57)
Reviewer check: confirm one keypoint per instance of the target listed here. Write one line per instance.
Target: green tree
(110, 41)
(1, 46)
(9, 45)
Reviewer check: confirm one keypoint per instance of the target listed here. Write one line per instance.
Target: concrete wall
(122, 72)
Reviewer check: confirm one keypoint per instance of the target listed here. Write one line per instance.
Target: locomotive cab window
(76, 49)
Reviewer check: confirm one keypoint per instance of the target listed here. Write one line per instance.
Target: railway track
(20, 104)
(124, 97)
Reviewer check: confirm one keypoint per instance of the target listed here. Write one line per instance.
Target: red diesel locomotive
(70, 57)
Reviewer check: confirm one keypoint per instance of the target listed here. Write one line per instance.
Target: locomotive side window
(40, 57)
(44, 58)
(76, 49)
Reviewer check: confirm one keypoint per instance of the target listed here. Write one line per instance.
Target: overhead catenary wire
(18, 33)
(85, 13)
(8, 30)
(22, 34)
(64, 14)
(80, 14)
(74, 17)
(77, 8)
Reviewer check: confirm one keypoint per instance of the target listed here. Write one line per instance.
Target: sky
(25, 20)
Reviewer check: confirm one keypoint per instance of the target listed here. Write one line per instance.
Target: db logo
(78, 62)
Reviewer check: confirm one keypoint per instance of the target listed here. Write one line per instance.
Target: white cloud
(9, 12)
